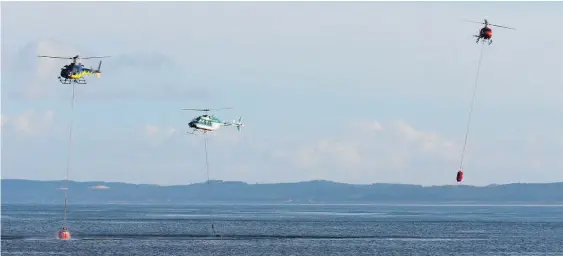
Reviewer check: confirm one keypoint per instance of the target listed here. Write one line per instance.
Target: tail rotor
(238, 123)
(99, 71)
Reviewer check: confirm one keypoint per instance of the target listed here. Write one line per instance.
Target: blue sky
(361, 92)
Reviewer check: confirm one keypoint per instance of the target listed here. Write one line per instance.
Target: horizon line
(294, 182)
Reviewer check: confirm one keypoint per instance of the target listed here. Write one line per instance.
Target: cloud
(151, 130)
(22, 83)
(375, 126)
(147, 74)
(29, 123)
(399, 152)
(3, 119)
(370, 152)
(157, 133)
(241, 55)
(373, 148)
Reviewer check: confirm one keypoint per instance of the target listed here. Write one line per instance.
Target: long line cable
(209, 185)
(471, 108)
(69, 155)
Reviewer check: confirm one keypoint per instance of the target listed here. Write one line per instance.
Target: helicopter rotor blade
(74, 57)
(55, 57)
(487, 23)
(94, 57)
(501, 26)
(205, 109)
(195, 109)
(474, 22)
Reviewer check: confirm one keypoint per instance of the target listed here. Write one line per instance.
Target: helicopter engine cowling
(65, 73)
(486, 33)
(489, 33)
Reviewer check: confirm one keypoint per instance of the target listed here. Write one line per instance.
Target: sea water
(284, 229)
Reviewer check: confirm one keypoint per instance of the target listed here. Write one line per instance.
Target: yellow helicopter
(75, 72)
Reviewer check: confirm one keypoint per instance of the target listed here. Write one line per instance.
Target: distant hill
(31, 191)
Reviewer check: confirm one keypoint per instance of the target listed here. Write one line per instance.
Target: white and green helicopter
(210, 123)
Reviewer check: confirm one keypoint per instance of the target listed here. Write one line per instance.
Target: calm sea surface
(284, 229)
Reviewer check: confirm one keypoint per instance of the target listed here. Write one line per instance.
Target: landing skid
(70, 81)
(197, 132)
(490, 41)
(483, 40)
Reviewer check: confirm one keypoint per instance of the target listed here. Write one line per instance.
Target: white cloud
(426, 141)
(48, 69)
(161, 82)
(151, 130)
(3, 119)
(29, 123)
(157, 133)
(376, 126)
(371, 149)
(37, 84)
(398, 152)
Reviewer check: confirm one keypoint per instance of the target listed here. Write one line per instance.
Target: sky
(365, 92)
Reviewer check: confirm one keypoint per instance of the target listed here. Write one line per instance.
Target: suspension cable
(471, 108)
(209, 185)
(69, 155)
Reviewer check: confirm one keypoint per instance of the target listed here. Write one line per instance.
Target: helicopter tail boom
(237, 123)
